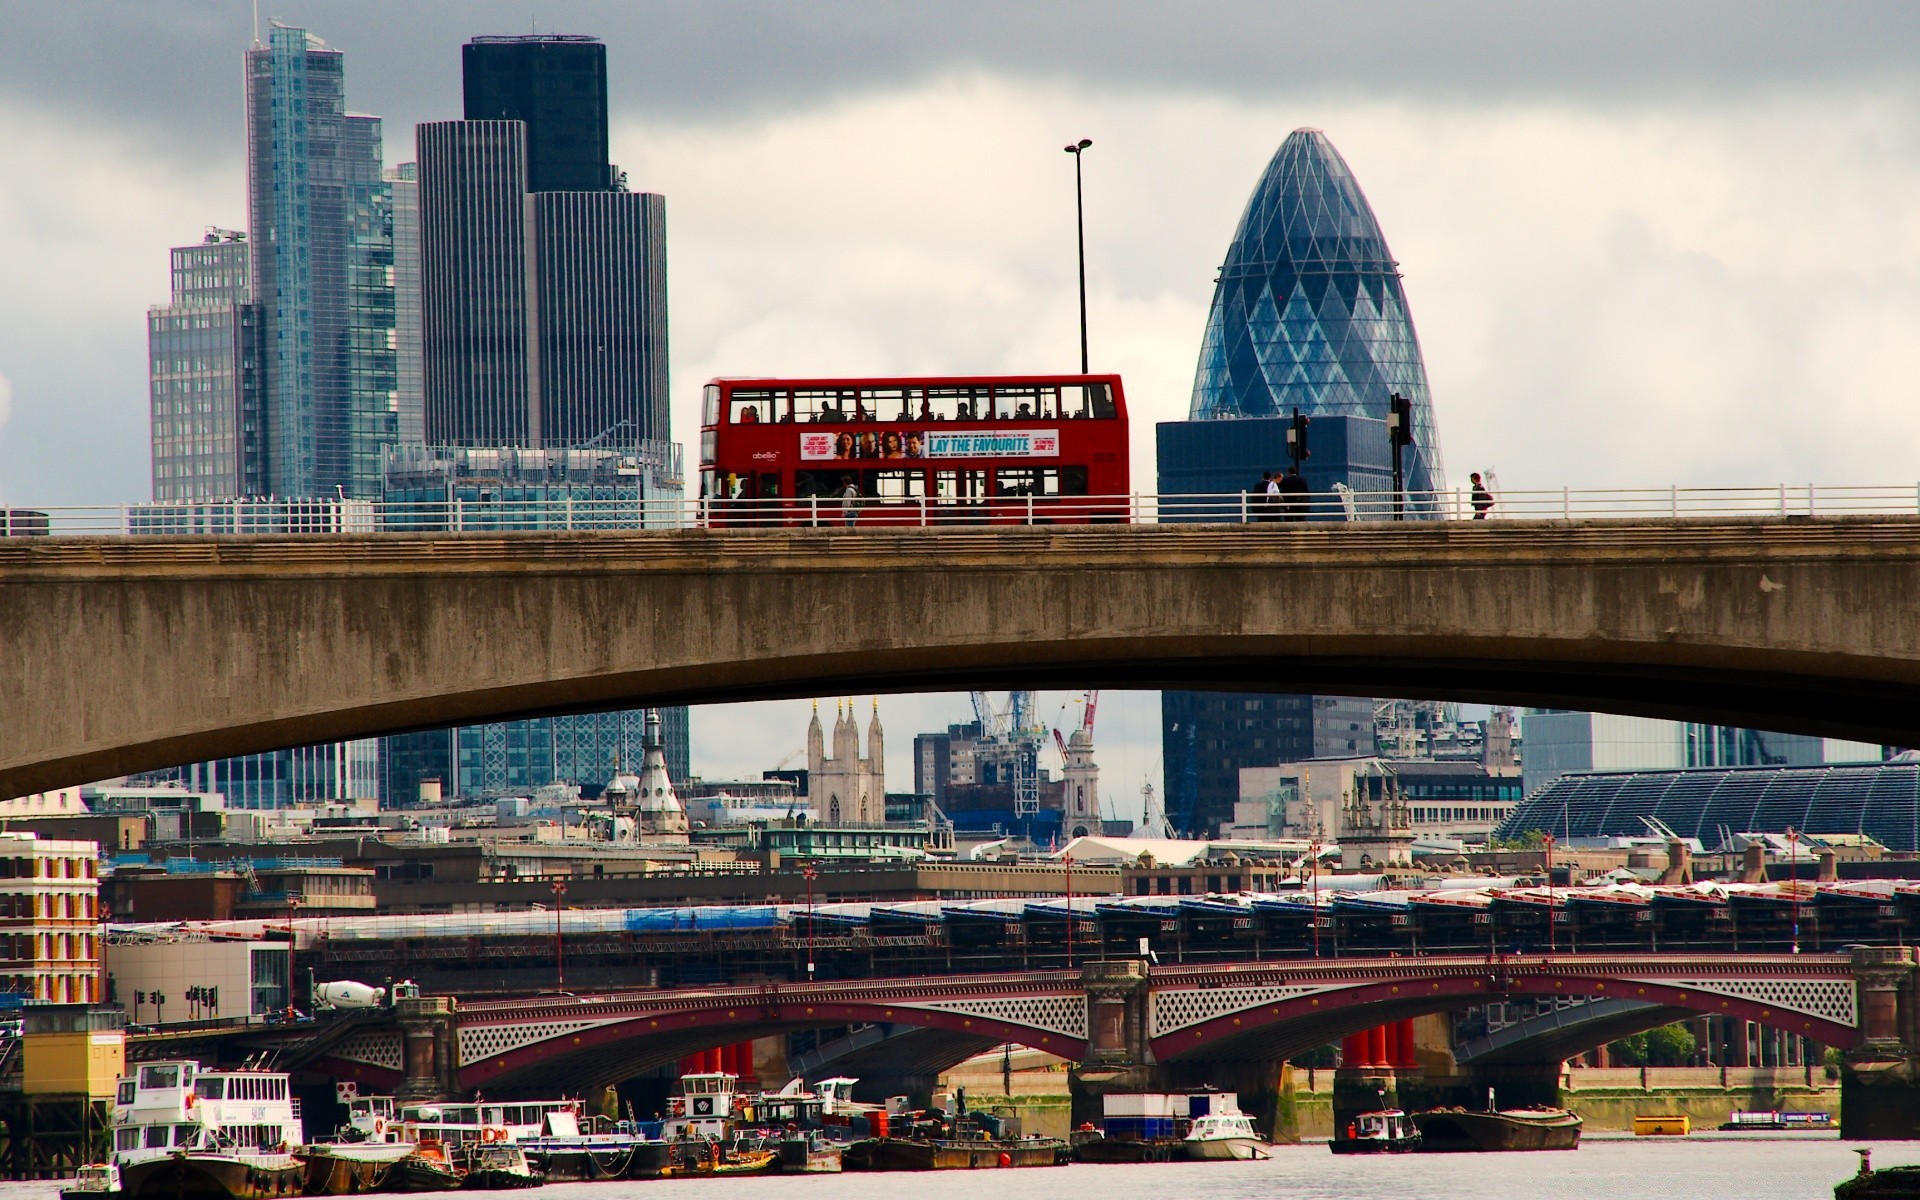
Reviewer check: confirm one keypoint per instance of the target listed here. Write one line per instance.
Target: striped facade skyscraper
(542, 280)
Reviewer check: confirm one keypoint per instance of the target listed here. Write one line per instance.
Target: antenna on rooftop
(256, 24)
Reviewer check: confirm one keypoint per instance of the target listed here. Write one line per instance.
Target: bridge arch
(1288, 1017)
(225, 646)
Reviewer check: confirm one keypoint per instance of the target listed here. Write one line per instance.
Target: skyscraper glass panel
(323, 246)
(1309, 312)
(203, 353)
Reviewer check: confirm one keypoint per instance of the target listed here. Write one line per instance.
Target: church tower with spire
(846, 788)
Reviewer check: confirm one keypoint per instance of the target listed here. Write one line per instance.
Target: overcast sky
(1644, 243)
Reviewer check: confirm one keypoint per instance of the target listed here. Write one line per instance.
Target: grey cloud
(170, 67)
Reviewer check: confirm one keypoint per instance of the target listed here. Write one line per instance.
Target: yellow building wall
(73, 1064)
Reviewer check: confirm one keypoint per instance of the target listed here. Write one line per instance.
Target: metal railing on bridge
(272, 517)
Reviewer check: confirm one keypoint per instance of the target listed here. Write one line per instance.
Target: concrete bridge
(126, 654)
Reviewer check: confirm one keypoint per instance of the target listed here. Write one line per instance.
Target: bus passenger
(926, 409)
(749, 416)
(1025, 413)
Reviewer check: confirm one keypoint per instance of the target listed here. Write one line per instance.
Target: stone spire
(656, 804)
(876, 745)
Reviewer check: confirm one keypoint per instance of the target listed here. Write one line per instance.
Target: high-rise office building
(1308, 314)
(542, 281)
(555, 85)
(542, 299)
(321, 224)
(204, 377)
(404, 183)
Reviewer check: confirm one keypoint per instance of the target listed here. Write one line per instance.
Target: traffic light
(1297, 438)
(1400, 420)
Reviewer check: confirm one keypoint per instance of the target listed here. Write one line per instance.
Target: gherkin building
(1309, 313)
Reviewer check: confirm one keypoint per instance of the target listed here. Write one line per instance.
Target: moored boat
(426, 1169)
(1227, 1135)
(497, 1166)
(1458, 1130)
(95, 1181)
(183, 1133)
(1386, 1131)
(953, 1154)
(1888, 1183)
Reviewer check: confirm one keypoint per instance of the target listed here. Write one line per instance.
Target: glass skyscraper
(204, 376)
(1309, 313)
(321, 224)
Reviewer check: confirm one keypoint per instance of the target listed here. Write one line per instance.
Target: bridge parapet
(427, 1031)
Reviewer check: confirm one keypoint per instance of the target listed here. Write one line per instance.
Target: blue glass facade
(1309, 312)
(321, 226)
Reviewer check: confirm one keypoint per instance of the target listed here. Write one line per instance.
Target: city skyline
(1627, 208)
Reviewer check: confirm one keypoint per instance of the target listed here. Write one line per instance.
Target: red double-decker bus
(1003, 448)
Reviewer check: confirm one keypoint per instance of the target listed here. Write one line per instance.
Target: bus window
(1073, 481)
(892, 404)
(824, 406)
(766, 487)
(710, 404)
(960, 485)
(1028, 481)
(1087, 401)
(894, 485)
(958, 403)
(752, 408)
(816, 485)
(1020, 402)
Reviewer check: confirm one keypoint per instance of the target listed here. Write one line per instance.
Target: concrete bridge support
(1880, 1078)
(430, 1047)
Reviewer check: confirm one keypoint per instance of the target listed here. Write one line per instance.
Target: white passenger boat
(1225, 1135)
(187, 1134)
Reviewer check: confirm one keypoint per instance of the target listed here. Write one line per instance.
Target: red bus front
(1040, 449)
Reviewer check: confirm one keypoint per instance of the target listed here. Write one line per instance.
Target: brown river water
(1735, 1167)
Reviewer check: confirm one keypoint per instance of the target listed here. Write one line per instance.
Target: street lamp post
(1550, 934)
(1313, 848)
(559, 946)
(811, 875)
(1080, 231)
(1068, 860)
(1793, 880)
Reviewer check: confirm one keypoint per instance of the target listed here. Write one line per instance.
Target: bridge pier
(429, 1048)
(1880, 1076)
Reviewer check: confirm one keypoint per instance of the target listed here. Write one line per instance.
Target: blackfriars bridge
(127, 654)
(1128, 1023)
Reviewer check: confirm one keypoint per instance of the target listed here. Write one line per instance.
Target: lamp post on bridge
(1067, 858)
(1550, 931)
(1793, 880)
(811, 874)
(559, 945)
(1313, 918)
(1080, 229)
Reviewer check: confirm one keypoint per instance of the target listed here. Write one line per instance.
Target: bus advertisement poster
(845, 445)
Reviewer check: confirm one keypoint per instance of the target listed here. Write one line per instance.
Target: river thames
(1607, 1168)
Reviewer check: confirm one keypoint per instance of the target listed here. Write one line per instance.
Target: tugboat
(1387, 1131)
(426, 1169)
(179, 1131)
(1456, 1130)
(496, 1164)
